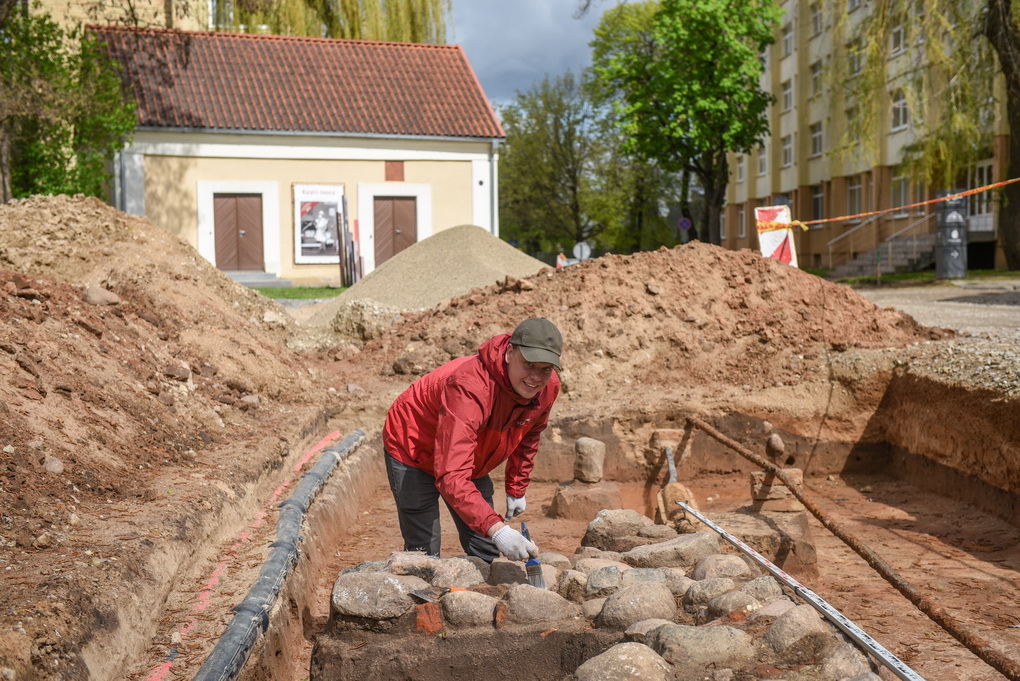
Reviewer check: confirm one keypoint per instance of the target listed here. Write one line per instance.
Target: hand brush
(533, 567)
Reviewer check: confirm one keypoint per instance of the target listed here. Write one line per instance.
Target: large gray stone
(589, 459)
(796, 624)
(729, 602)
(571, 585)
(783, 538)
(701, 646)
(636, 575)
(468, 608)
(720, 565)
(702, 592)
(592, 607)
(764, 588)
(557, 560)
(639, 630)
(637, 602)
(843, 661)
(602, 582)
(526, 604)
(459, 572)
(503, 571)
(612, 525)
(374, 595)
(685, 551)
(625, 662)
(413, 563)
(590, 565)
(676, 579)
(582, 501)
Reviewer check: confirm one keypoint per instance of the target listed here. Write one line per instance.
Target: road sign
(685, 224)
(582, 250)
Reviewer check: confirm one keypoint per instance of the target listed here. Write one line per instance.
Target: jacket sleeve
(522, 460)
(461, 415)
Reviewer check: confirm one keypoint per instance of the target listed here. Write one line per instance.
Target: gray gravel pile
(447, 264)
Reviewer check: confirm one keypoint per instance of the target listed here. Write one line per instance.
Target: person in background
(454, 425)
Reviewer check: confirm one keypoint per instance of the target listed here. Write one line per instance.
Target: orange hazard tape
(769, 225)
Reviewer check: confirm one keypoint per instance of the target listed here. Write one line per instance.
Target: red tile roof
(233, 82)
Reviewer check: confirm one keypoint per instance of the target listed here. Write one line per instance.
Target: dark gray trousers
(417, 499)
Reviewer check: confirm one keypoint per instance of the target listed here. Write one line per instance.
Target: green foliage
(414, 21)
(302, 292)
(684, 75)
(65, 114)
(564, 178)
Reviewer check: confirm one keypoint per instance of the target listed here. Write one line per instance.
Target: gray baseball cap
(539, 340)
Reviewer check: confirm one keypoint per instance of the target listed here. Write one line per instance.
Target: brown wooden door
(238, 224)
(396, 225)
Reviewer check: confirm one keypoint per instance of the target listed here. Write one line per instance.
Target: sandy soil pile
(447, 264)
(695, 319)
(121, 424)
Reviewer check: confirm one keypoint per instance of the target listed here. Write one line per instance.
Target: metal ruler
(845, 624)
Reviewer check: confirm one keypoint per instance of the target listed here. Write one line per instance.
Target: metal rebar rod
(973, 642)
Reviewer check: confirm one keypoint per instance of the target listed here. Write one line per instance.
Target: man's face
(526, 378)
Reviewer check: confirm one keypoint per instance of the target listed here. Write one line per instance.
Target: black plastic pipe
(251, 618)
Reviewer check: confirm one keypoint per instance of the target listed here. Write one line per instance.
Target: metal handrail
(889, 239)
(846, 234)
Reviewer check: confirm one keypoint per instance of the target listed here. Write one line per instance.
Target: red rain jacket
(460, 421)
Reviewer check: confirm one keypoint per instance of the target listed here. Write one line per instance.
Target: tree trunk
(685, 204)
(1005, 40)
(6, 194)
(713, 174)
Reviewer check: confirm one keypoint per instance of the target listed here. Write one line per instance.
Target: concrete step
(253, 279)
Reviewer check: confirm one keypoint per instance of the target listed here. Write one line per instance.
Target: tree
(684, 75)
(548, 196)
(62, 111)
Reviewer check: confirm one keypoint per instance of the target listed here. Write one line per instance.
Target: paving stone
(526, 604)
(577, 500)
(592, 607)
(625, 662)
(699, 647)
(720, 565)
(413, 563)
(468, 608)
(590, 565)
(730, 602)
(684, 551)
(785, 539)
(793, 626)
(638, 631)
(635, 575)
(571, 585)
(589, 459)
(611, 525)
(557, 560)
(374, 595)
(845, 661)
(636, 603)
(503, 571)
(602, 582)
(764, 588)
(702, 592)
(456, 572)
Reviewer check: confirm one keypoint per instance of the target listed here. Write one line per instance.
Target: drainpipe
(493, 195)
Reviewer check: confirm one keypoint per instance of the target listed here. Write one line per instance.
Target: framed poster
(318, 216)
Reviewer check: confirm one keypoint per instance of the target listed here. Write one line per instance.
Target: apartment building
(810, 163)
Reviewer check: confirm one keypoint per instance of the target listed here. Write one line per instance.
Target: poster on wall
(318, 216)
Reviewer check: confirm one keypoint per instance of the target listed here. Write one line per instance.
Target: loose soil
(143, 443)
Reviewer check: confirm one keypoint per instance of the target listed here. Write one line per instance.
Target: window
(816, 139)
(898, 38)
(817, 202)
(853, 195)
(922, 196)
(740, 168)
(852, 5)
(853, 129)
(980, 176)
(741, 227)
(816, 79)
(763, 159)
(722, 227)
(900, 114)
(787, 88)
(787, 151)
(788, 39)
(816, 18)
(854, 58)
(900, 192)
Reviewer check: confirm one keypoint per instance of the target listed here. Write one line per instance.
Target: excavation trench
(899, 455)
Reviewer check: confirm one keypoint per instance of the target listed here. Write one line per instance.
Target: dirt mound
(696, 316)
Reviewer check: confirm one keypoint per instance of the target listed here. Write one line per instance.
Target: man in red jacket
(454, 425)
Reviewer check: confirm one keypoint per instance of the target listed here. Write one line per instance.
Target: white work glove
(514, 506)
(513, 545)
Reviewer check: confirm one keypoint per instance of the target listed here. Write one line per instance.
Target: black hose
(251, 618)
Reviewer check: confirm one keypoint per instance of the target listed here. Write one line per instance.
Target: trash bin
(951, 237)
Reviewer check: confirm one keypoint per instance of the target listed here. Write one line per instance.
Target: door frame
(270, 192)
(366, 214)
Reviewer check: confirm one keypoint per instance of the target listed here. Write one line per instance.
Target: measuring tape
(895, 664)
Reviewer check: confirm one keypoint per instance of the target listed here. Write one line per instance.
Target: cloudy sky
(513, 44)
